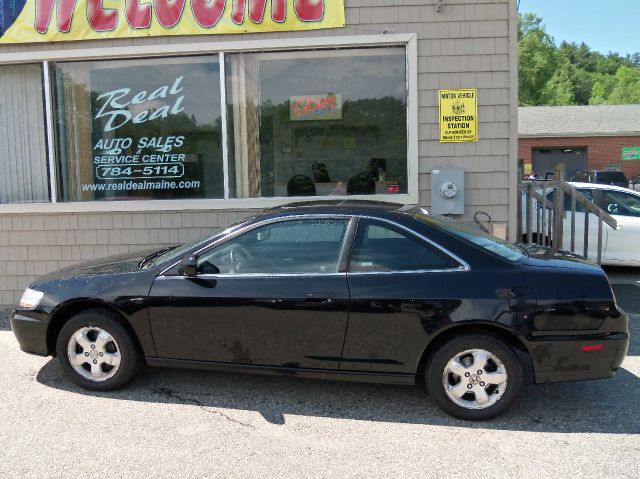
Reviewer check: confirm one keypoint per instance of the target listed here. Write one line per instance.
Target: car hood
(551, 258)
(123, 263)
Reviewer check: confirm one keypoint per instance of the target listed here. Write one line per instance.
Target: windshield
(177, 253)
(478, 237)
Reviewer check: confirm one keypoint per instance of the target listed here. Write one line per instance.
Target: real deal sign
(458, 115)
(58, 20)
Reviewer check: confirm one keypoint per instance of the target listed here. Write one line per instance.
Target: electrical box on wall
(447, 191)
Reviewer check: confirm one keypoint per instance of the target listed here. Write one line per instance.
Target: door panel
(270, 296)
(625, 209)
(400, 294)
(293, 321)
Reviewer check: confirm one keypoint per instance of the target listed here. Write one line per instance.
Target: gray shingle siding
(469, 44)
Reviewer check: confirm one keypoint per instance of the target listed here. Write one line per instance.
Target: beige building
(111, 146)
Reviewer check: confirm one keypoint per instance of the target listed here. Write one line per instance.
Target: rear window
(478, 237)
(612, 176)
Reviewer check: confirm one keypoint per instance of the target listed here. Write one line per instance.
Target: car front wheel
(96, 351)
(474, 377)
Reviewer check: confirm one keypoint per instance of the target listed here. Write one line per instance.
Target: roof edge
(577, 135)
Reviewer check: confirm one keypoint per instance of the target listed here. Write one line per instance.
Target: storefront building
(595, 137)
(133, 125)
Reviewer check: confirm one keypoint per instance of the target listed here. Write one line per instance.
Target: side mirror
(189, 265)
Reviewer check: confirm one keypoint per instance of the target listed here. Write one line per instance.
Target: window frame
(45, 58)
(601, 202)
(345, 245)
(171, 270)
(463, 265)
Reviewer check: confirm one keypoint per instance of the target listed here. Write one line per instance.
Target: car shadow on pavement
(602, 406)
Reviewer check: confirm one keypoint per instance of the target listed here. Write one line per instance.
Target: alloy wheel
(475, 379)
(94, 353)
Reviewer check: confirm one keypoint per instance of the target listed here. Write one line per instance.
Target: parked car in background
(634, 184)
(603, 177)
(359, 291)
(619, 245)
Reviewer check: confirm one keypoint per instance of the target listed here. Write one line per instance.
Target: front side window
(320, 123)
(383, 248)
(295, 246)
(567, 199)
(619, 203)
(24, 174)
(139, 129)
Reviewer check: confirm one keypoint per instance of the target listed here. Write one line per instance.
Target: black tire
(468, 407)
(121, 349)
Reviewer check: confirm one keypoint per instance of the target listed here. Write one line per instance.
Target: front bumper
(31, 333)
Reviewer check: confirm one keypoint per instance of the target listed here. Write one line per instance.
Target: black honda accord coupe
(360, 291)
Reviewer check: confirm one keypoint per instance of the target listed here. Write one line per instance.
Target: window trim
(279, 219)
(408, 41)
(464, 266)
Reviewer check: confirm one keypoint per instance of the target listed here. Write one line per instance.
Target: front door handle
(319, 297)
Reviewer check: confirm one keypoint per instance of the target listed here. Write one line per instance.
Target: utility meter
(447, 191)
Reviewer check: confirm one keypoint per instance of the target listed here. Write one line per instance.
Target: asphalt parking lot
(179, 423)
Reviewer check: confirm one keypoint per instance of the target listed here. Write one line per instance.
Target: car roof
(340, 206)
(600, 186)
(599, 171)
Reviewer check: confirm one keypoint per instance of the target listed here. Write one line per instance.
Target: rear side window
(383, 248)
(478, 237)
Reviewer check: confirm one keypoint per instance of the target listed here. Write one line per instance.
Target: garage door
(544, 160)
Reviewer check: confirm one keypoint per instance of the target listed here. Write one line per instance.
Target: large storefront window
(326, 122)
(330, 122)
(23, 149)
(139, 129)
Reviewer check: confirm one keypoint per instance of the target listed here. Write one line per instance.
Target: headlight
(30, 298)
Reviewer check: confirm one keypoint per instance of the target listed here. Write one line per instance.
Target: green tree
(559, 90)
(598, 94)
(627, 88)
(571, 73)
(538, 59)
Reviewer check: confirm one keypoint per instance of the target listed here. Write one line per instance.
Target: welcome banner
(28, 21)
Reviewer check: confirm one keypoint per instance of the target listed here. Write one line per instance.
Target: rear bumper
(562, 358)
(30, 332)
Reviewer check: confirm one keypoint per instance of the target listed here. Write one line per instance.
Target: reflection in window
(139, 129)
(320, 123)
(567, 199)
(619, 203)
(380, 248)
(23, 151)
(298, 246)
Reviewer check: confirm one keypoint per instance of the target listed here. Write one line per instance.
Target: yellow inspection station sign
(458, 115)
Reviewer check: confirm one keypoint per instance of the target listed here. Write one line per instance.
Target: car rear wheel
(96, 351)
(474, 377)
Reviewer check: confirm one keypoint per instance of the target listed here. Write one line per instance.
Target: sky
(604, 25)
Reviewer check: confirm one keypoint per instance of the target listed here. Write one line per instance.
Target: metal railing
(541, 215)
